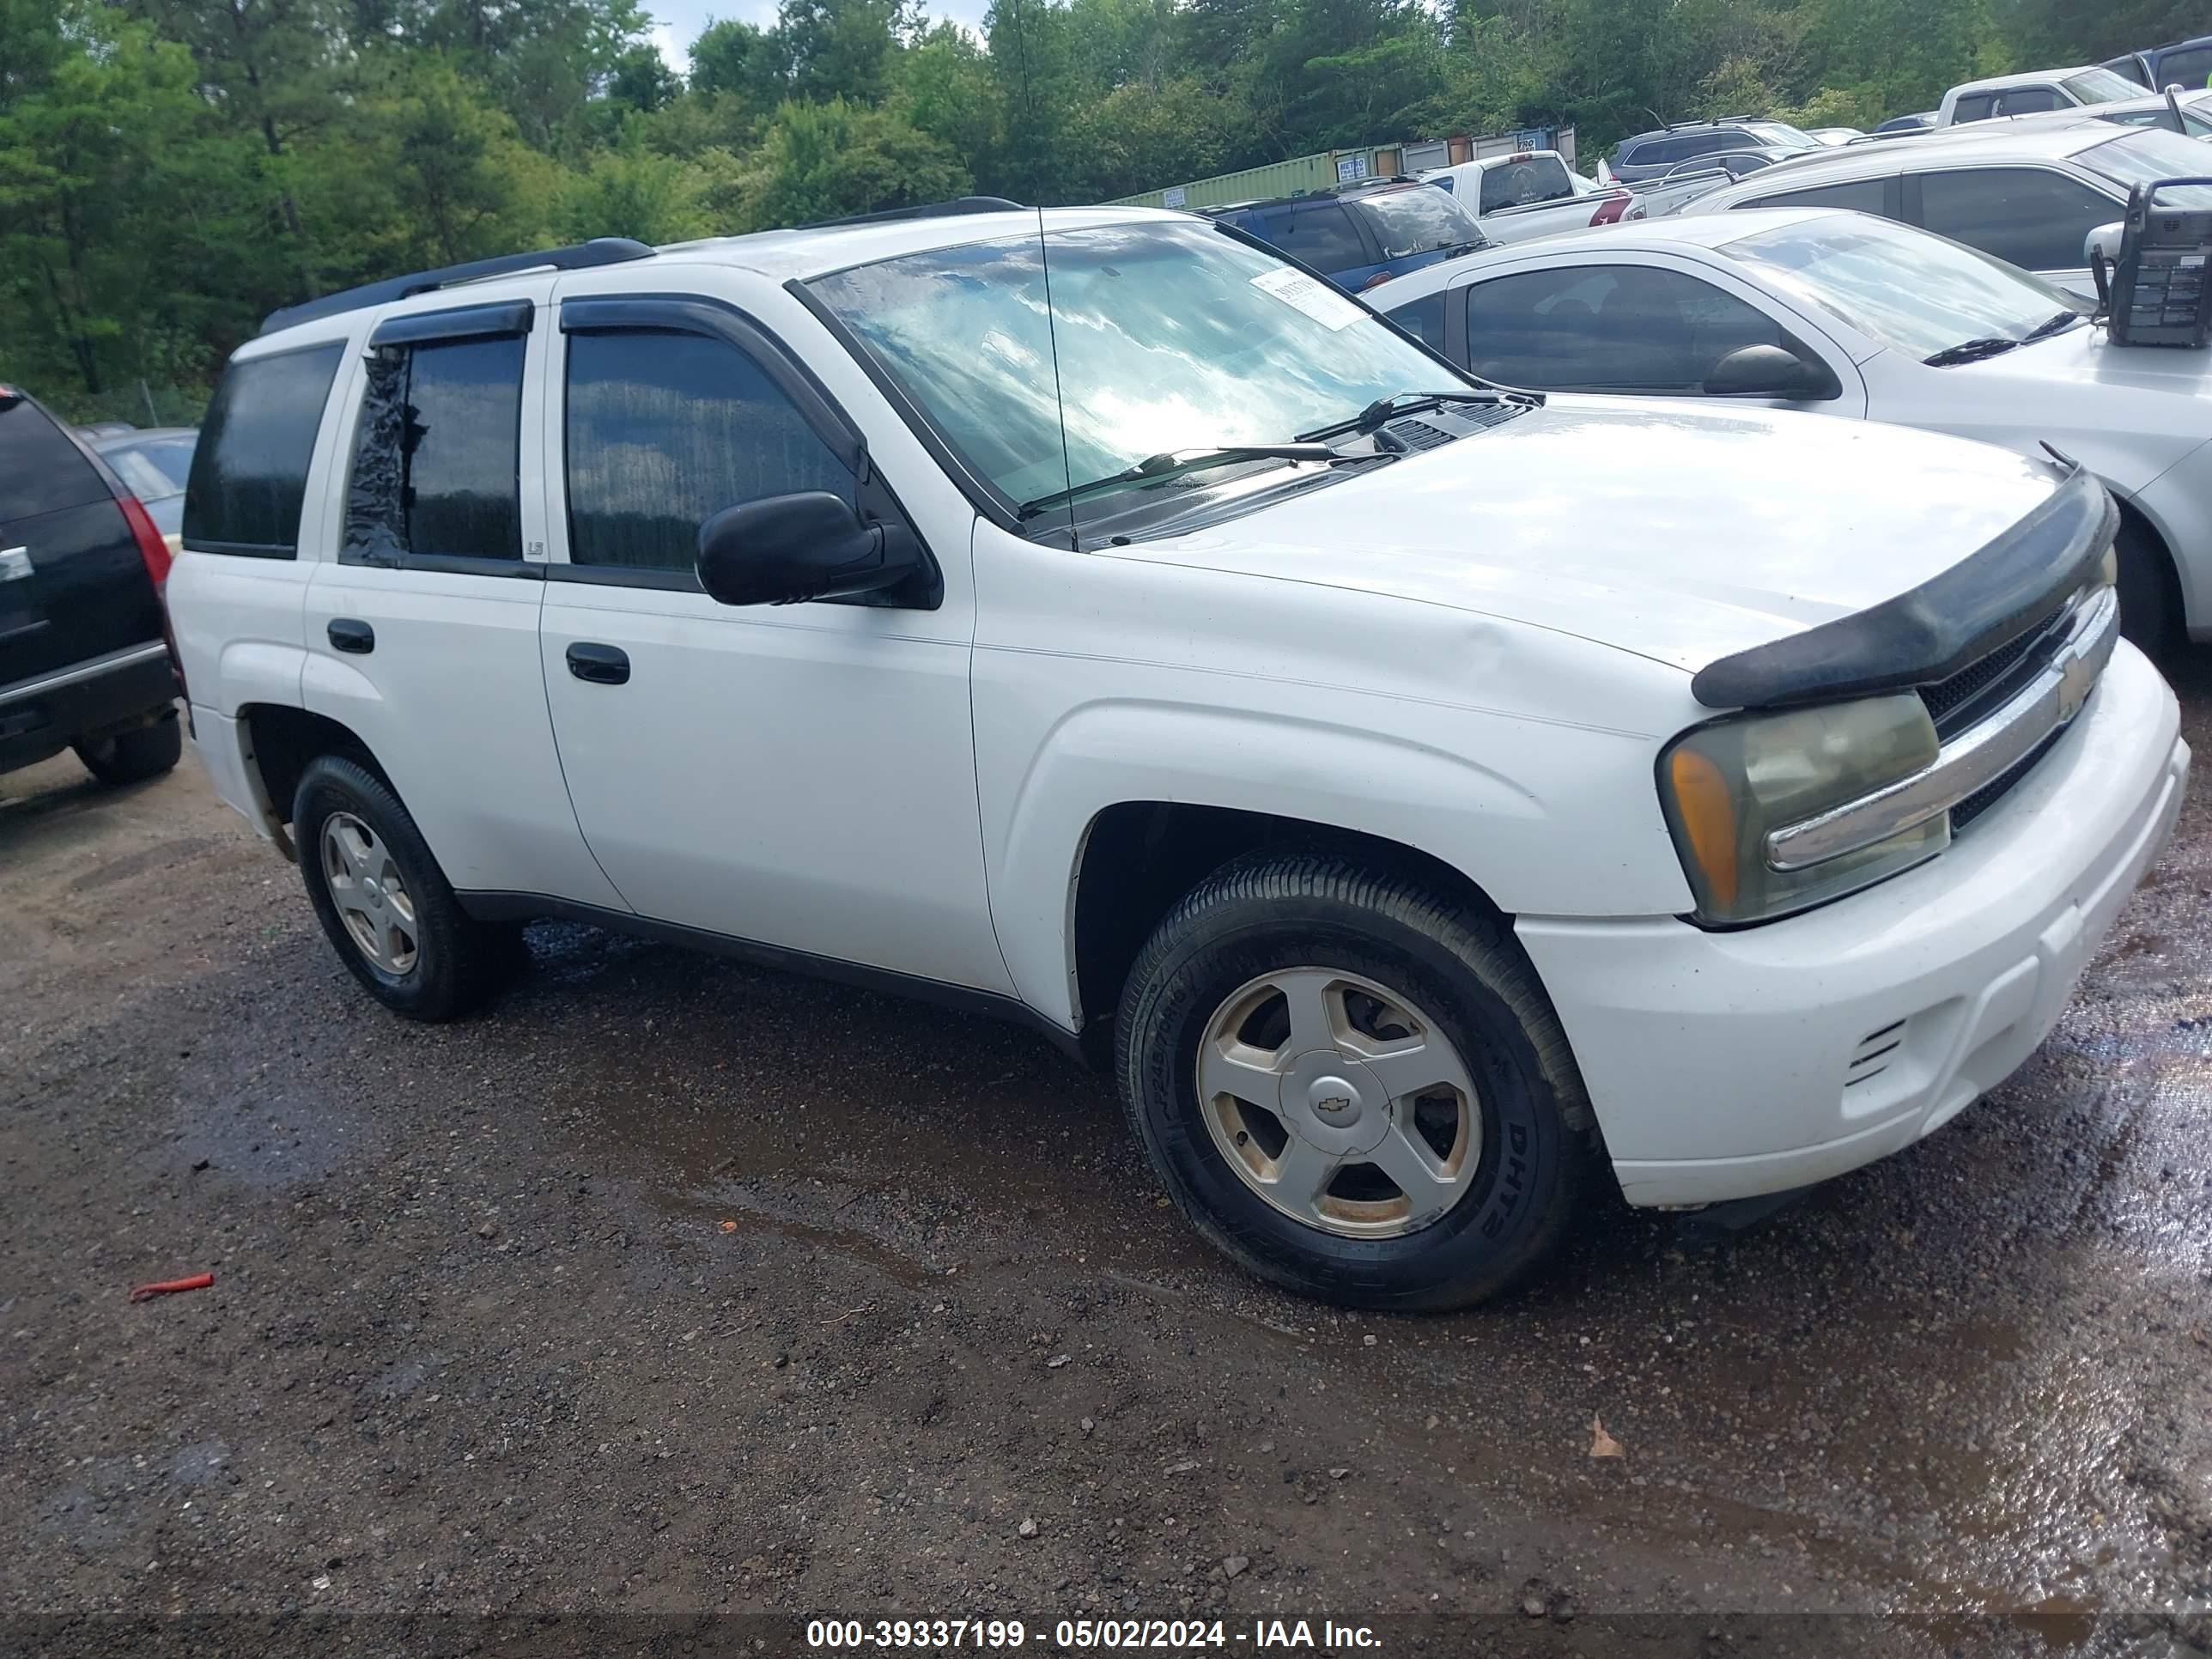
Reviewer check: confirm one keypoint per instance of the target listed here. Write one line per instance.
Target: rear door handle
(352, 635)
(602, 665)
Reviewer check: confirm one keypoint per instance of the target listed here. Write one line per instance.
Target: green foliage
(172, 170)
(824, 161)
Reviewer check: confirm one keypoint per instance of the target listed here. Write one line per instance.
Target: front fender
(1545, 818)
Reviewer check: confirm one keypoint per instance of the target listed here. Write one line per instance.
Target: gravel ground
(671, 1288)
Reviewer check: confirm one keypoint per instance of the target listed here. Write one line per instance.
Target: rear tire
(1508, 1150)
(131, 757)
(388, 909)
(2150, 599)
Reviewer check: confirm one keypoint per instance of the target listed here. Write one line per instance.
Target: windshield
(2144, 157)
(2100, 86)
(1168, 335)
(1905, 289)
(1418, 219)
(2198, 125)
(1782, 135)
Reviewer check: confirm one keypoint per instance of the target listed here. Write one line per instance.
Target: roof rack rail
(599, 251)
(957, 205)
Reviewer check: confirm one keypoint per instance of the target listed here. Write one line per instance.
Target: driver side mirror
(2103, 244)
(1766, 371)
(785, 550)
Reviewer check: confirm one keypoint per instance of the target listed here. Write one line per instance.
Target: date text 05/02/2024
(1115, 1634)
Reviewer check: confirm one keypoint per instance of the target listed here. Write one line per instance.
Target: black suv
(84, 657)
(1650, 154)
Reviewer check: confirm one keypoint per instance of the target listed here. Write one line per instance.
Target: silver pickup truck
(1532, 193)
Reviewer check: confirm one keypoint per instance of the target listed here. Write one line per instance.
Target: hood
(2136, 410)
(1678, 533)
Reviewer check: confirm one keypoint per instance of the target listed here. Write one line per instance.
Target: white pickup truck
(1532, 193)
(1180, 659)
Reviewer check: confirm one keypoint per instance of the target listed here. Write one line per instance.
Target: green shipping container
(1297, 176)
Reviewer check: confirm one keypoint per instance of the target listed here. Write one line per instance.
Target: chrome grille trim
(1976, 757)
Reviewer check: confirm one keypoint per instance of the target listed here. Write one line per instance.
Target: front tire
(143, 752)
(1353, 1086)
(2150, 599)
(386, 906)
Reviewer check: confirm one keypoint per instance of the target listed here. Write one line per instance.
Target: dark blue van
(2185, 63)
(1358, 235)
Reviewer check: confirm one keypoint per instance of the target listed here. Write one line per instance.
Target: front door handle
(351, 635)
(602, 665)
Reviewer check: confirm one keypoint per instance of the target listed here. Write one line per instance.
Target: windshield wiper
(2051, 325)
(1971, 351)
(1401, 403)
(1173, 463)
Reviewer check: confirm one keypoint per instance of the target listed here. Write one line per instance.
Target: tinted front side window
(1975, 107)
(249, 472)
(2033, 100)
(667, 430)
(1861, 195)
(2028, 218)
(40, 470)
(1607, 328)
(435, 455)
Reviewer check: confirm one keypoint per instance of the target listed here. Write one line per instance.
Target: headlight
(1727, 786)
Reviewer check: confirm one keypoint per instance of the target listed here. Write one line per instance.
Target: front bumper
(1726, 1064)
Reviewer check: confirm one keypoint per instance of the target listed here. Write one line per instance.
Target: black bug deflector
(1931, 632)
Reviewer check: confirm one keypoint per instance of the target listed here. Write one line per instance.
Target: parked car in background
(1357, 235)
(1833, 136)
(2151, 110)
(2186, 63)
(152, 464)
(1416, 807)
(84, 662)
(1730, 164)
(1898, 125)
(2029, 194)
(1529, 193)
(1846, 314)
(1650, 154)
(2032, 93)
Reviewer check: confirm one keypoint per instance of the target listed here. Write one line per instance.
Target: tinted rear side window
(1424, 318)
(40, 470)
(2035, 219)
(249, 472)
(1975, 107)
(1324, 237)
(2188, 68)
(435, 459)
(1861, 195)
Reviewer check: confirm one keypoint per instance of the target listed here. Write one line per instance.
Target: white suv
(1091, 618)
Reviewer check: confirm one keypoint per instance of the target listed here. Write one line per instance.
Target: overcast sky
(677, 23)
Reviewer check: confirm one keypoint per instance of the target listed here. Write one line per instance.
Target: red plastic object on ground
(168, 1287)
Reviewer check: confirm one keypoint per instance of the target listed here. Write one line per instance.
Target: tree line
(173, 170)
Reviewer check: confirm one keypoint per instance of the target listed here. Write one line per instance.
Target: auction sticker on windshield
(1316, 299)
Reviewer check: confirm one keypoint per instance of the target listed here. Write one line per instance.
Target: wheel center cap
(1332, 1101)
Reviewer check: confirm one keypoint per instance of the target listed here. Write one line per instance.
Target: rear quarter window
(41, 470)
(249, 475)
